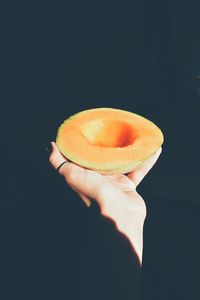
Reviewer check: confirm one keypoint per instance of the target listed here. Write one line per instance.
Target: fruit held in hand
(108, 140)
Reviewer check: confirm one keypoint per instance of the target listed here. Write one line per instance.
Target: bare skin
(116, 195)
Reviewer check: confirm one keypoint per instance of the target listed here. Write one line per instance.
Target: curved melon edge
(123, 169)
(129, 168)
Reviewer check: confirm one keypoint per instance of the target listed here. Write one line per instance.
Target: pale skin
(116, 195)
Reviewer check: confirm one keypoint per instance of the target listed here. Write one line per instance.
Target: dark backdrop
(65, 58)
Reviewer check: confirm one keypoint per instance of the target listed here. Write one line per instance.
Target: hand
(116, 195)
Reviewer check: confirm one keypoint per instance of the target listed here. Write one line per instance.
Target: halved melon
(108, 140)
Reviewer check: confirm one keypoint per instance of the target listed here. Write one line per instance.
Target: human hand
(116, 195)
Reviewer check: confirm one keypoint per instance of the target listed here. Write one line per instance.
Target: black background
(62, 58)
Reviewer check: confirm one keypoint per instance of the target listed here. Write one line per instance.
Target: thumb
(138, 175)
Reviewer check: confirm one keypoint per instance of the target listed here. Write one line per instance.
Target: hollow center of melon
(109, 133)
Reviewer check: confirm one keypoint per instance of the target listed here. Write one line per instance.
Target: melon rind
(122, 167)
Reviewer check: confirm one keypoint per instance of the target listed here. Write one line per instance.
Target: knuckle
(101, 191)
(103, 212)
(69, 173)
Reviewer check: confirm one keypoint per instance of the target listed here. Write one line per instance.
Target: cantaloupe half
(108, 140)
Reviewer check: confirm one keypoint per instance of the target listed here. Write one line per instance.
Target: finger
(85, 199)
(123, 182)
(86, 182)
(138, 175)
(56, 158)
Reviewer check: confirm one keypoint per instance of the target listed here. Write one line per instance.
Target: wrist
(128, 216)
